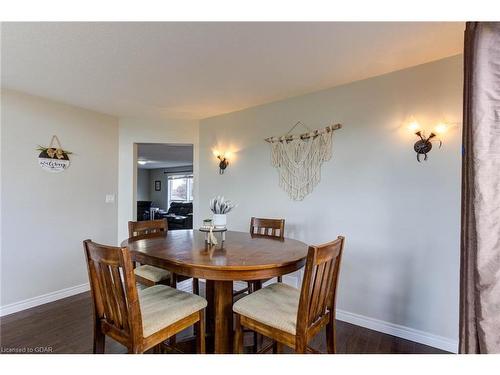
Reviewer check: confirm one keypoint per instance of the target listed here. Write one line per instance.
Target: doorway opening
(165, 184)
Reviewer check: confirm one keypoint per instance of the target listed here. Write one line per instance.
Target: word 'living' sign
(53, 159)
(52, 165)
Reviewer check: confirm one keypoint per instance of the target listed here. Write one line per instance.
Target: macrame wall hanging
(298, 158)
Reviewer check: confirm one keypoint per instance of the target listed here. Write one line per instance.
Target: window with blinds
(180, 188)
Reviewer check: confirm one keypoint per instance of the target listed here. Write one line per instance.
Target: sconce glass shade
(441, 128)
(414, 126)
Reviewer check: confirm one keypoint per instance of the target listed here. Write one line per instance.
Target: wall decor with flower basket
(53, 158)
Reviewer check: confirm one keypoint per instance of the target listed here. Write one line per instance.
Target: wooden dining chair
(267, 227)
(139, 320)
(270, 228)
(261, 227)
(149, 275)
(290, 316)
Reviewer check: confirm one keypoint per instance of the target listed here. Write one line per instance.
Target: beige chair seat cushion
(152, 273)
(162, 306)
(275, 305)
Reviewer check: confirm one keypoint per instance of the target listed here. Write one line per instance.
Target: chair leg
(196, 290)
(257, 285)
(174, 281)
(300, 345)
(196, 287)
(253, 287)
(331, 344)
(238, 335)
(200, 336)
(99, 341)
(172, 340)
(277, 347)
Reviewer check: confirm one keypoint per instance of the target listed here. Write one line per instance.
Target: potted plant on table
(220, 207)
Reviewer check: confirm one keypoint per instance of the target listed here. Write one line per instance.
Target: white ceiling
(198, 70)
(160, 155)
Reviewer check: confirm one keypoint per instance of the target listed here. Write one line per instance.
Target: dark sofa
(179, 216)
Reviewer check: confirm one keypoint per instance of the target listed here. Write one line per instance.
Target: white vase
(219, 220)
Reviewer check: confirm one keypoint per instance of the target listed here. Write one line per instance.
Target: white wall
(46, 216)
(133, 131)
(159, 198)
(143, 182)
(400, 272)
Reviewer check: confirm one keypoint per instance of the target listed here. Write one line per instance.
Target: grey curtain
(480, 242)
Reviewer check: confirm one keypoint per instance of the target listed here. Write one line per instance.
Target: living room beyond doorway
(165, 184)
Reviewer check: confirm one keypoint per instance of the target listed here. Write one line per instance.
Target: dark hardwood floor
(65, 326)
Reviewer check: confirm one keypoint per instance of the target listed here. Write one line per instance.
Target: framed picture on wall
(157, 185)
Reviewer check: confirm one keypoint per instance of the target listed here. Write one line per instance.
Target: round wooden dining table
(242, 256)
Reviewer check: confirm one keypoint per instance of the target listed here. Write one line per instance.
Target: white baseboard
(43, 299)
(356, 319)
(397, 330)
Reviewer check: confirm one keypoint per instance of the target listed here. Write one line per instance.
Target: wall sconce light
(424, 145)
(223, 163)
(223, 159)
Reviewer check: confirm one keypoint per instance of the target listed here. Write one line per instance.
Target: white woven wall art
(298, 159)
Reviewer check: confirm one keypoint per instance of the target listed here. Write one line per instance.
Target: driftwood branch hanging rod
(311, 134)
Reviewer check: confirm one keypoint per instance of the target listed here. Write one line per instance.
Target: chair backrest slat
(120, 298)
(110, 297)
(326, 289)
(316, 291)
(319, 286)
(139, 228)
(113, 287)
(268, 227)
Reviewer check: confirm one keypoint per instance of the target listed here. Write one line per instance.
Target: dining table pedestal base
(220, 314)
